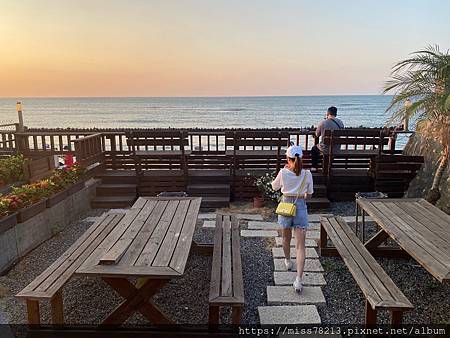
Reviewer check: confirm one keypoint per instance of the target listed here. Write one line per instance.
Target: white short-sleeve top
(289, 183)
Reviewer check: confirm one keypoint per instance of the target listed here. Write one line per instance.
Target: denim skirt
(300, 220)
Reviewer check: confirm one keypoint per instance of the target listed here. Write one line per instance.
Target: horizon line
(182, 96)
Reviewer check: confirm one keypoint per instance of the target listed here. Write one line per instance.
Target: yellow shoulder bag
(289, 209)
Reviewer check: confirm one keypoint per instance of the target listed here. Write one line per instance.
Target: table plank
(113, 255)
(413, 234)
(420, 225)
(151, 248)
(406, 240)
(181, 252)
(173, 234)
(142, 238)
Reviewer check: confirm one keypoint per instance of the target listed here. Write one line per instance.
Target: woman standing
(296, 185)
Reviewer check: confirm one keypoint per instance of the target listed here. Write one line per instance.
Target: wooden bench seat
(378, 288)
(227, 285)
(49, 284)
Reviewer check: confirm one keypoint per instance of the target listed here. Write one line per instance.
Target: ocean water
(207, 112)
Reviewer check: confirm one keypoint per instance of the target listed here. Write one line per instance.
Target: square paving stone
(285, 315)
(316, 217)
(310, 253)
(313, 234)
(257, 225)
(314, 227)
(311, 265)
(308, 242)
(209, 224)
(207, 216)
(309, 278)
(259, 233)
(287, 295)
(250, 217)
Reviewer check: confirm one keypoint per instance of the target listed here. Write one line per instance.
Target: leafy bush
(264, 185)
(26, 195)
(11, 169)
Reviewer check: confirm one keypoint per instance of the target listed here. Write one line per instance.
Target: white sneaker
(298, 287)
(288, 264)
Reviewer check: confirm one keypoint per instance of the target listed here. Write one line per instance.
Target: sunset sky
(210, 48)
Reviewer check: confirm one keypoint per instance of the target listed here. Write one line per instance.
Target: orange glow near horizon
(205, 48)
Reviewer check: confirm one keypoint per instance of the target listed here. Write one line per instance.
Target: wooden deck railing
(209, 148)
(89, 149)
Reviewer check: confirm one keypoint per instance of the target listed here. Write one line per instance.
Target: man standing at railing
(331, 122)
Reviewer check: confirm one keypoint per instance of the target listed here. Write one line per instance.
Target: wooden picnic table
(419, 228)
(152, 241)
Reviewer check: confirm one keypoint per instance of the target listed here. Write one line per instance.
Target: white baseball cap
(292, 151)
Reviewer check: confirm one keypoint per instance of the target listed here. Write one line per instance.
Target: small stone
(207, 216)
(285, 315)
(287, 294)
(308, 242)
(310, 253)
(255, 225)
(316, 217)
(250, 217)
(259, 233)
(209, 224)
(313, 235)
(311, 265)
(309, 278)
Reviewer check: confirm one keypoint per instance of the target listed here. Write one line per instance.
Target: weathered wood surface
(377, 287)
(152, 240)
(227, 286)
(420, 228)
(49, 282)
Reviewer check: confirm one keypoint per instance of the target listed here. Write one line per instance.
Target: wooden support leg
(34, 317)
(371, 314)
(57, 308)
(136, 300)
(202, 248)
(323, 237)
(377, 239)
(214, 313)
(396, 317)
(236, 312)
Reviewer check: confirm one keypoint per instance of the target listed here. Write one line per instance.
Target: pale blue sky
(207, 47)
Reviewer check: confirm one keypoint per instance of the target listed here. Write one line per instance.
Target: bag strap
(335, 122)
(302, 185)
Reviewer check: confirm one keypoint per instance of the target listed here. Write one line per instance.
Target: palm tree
(424, 78)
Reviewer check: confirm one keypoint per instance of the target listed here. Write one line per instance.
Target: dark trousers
(316, 154)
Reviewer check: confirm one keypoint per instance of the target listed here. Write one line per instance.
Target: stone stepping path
(277, 295)
(310, 253)
(259, 233)
(209, 224)
(207, 216)
(304, 314)
(309, 278)
(311, 265)
(308, 242)
(256, 225)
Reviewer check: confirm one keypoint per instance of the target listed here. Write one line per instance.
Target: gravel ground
(345, 301)
(184, 299)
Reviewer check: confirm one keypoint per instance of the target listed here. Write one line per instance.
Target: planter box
(76, 187)
(31, 211)
(56, 198)
(8, 222)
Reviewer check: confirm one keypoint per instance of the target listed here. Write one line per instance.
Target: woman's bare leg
(287, 236)
(300, 235)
